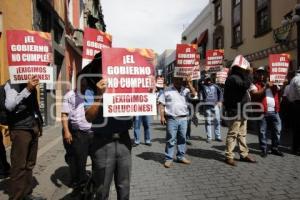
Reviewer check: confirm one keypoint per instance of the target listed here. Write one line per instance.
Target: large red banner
(214, 60)
(130, 82)
(93, 41)
(187, 61)
(278, 67)
(29, 54)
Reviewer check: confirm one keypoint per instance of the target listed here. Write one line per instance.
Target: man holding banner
(174, 113)
(267, 94)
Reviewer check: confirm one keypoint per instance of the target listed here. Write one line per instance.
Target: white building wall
(204, 21)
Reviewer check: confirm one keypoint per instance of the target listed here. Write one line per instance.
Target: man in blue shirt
(212, 98)
(111, 147)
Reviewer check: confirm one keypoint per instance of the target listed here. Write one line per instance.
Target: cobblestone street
(208, 177)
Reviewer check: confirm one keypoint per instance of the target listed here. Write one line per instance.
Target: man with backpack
(25, 123)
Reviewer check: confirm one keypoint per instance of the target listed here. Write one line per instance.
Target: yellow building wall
(16, 15)
(279, 9)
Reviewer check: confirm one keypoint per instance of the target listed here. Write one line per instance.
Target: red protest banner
(130, 82)
(29, 53)
(93, 41)
(278, 67)
(214, 60)
(222, 76)
(160, 82)
(187, 61)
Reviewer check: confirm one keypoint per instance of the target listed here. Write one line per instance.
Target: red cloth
(275, 93)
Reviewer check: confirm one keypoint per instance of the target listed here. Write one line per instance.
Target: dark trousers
(296, 126)
(23, 158)
(4, 165)
(79, 151)
(269, 123)
(111, 158)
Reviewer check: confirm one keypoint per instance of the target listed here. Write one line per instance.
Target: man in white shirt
(174, 113)
(294, 97)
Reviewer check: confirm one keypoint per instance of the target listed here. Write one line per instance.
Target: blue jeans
(146, 120)
(176, 134)
(212, 119)
(270, 123)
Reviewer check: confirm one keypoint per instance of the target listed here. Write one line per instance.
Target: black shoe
(264, 153)
(218, 140)
(277, 152)
(188, 142)
(148, 144)
(135, 144)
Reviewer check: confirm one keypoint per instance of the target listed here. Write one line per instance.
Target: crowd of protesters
(86, 132)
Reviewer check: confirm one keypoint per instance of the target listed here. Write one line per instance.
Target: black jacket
(236, 91)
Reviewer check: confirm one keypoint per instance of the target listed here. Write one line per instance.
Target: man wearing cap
(212, 98)
(294, 96)
(236, 96)
(174, 113)
(267, 94)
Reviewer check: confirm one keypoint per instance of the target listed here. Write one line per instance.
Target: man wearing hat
(212, 98)
(236, 96)
(267, 94)
(294, 96)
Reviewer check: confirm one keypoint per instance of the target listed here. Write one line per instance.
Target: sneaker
(230, 161)
(148, 144)
(277, 152)
(248, 159)
(264, 154)
(218, 140)
(184, 161)
(168, 164)
(188, 142)
(208, 141)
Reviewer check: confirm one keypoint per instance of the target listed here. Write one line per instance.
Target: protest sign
(130, 82)
(222, 76)
(214, 60)
(187, 61)
(93, 41)
(278, 67)
(29, 54)
(160, 82)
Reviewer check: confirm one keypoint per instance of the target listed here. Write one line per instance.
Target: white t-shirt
(269, 96)
(270, 100)
(175, 102)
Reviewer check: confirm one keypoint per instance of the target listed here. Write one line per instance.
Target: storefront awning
(202, 38)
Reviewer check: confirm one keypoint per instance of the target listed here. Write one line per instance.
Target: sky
(154, 24)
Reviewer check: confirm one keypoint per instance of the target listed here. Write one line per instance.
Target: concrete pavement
(208, 177)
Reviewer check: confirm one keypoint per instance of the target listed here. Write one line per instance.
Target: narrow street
(208, 177)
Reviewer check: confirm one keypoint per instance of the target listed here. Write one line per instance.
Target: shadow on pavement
(163, 128)
(207, 154)
(157, 157)
(4, 185)
(253, 148)
(61, 177)
(159, 140)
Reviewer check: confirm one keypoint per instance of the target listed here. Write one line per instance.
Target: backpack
(3, 110)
